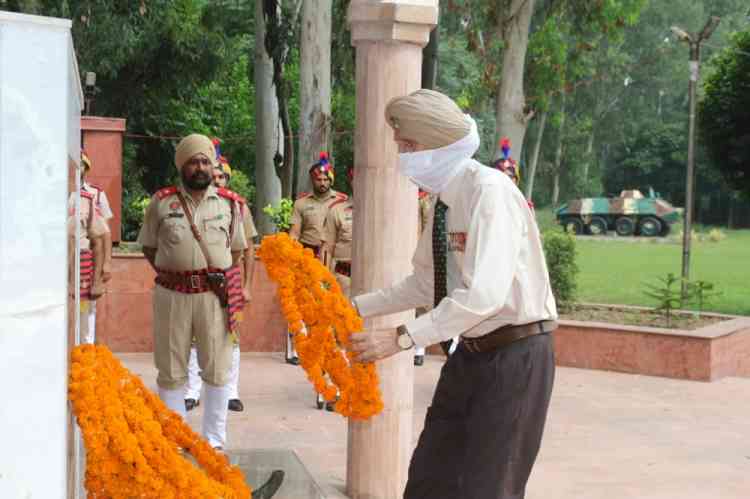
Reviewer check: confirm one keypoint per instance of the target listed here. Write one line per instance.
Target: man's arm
(493, 245)
(249, 266)
(296, 221)
(416, 290)
(148, 235)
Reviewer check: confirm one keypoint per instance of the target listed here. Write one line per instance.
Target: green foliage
(725, 112)
(666, 295)
(560, 254)
(281, 215)
(240, 184)
(701, 292)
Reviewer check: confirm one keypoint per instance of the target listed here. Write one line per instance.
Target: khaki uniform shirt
(338, 229)
(167, 228)
(310, 213)
(100, 198)
(97, 228)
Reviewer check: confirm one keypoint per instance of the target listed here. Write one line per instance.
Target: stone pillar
(102, 140)
(389, 37)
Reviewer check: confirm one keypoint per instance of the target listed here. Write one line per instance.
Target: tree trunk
(511, 116)
(430, 60)
(315, 87)
(559, 153)
(535, 157)
(589, 159)
(267, 137)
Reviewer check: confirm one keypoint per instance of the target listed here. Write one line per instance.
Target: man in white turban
(480, 264)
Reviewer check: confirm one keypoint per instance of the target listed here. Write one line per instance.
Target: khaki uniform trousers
(180, 317)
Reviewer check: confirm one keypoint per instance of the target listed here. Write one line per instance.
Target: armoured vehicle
(630, 214)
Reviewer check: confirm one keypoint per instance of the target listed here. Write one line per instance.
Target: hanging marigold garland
(321, 320)
(132, 439)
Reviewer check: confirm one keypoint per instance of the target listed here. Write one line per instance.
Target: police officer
(308, 217)
(98, 198)
(221, 176)
(192, 235)
(337, 247)
(93, 233)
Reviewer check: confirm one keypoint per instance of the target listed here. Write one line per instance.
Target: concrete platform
(609, 435)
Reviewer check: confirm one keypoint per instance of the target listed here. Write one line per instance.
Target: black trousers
(483, 430)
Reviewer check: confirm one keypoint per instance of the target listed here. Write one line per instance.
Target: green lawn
(614, 272)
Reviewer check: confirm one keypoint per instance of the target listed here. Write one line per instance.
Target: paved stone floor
(609, 435)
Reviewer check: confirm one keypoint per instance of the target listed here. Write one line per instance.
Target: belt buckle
(195, 281)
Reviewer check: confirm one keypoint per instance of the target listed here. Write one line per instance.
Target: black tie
(439, 258)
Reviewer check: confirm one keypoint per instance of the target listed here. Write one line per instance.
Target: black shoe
(191, 404)
(293, 361)
(235, 405)
(331, 406)
(418, 360)
(320, 403)
(268, 489)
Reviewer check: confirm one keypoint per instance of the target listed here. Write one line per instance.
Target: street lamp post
(694, 40)
(89, 93)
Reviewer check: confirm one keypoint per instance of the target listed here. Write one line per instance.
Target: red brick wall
(124, 313)
(102, 139)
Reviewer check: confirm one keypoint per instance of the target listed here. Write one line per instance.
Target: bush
(281, 216)
(716, 235)
(560, 253)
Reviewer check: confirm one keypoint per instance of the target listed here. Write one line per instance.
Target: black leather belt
(504, 336)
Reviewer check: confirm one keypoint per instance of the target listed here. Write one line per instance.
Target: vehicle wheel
(666, 228)
(649, 227)
(597, 226)
(573, 225)
(624, 226)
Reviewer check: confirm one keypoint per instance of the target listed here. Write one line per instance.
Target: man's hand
(375, 345)
(246, 295)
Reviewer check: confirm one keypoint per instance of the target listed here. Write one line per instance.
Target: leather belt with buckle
(504, 336)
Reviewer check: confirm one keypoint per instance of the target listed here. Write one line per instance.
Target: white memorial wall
(40, 103)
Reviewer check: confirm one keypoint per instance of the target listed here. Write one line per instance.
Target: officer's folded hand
(374, 345)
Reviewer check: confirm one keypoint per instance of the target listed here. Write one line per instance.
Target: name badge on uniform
(457, 241)
(175, 215)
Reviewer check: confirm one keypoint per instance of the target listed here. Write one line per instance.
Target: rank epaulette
(166, 191)
(227, 194)
(335, 202)
(303, 195)
(87, 195)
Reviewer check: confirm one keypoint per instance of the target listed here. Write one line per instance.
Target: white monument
(40, 104)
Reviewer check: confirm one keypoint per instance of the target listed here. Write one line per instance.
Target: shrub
(667, 296)
(560, 253)
(281, 216)
(716, 235)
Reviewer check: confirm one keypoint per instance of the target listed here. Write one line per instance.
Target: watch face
(404, 341)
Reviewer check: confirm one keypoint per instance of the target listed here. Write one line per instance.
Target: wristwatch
(403, 339)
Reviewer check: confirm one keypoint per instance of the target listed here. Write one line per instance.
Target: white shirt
(100, 198)
(496, 272)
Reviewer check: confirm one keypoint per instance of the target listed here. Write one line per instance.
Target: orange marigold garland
(321, 320)
(132, 438)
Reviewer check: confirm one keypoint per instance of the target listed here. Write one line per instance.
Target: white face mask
(432, 170)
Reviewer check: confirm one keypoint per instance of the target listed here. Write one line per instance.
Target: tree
(724, 117)
(315, 86)
(268, 134)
